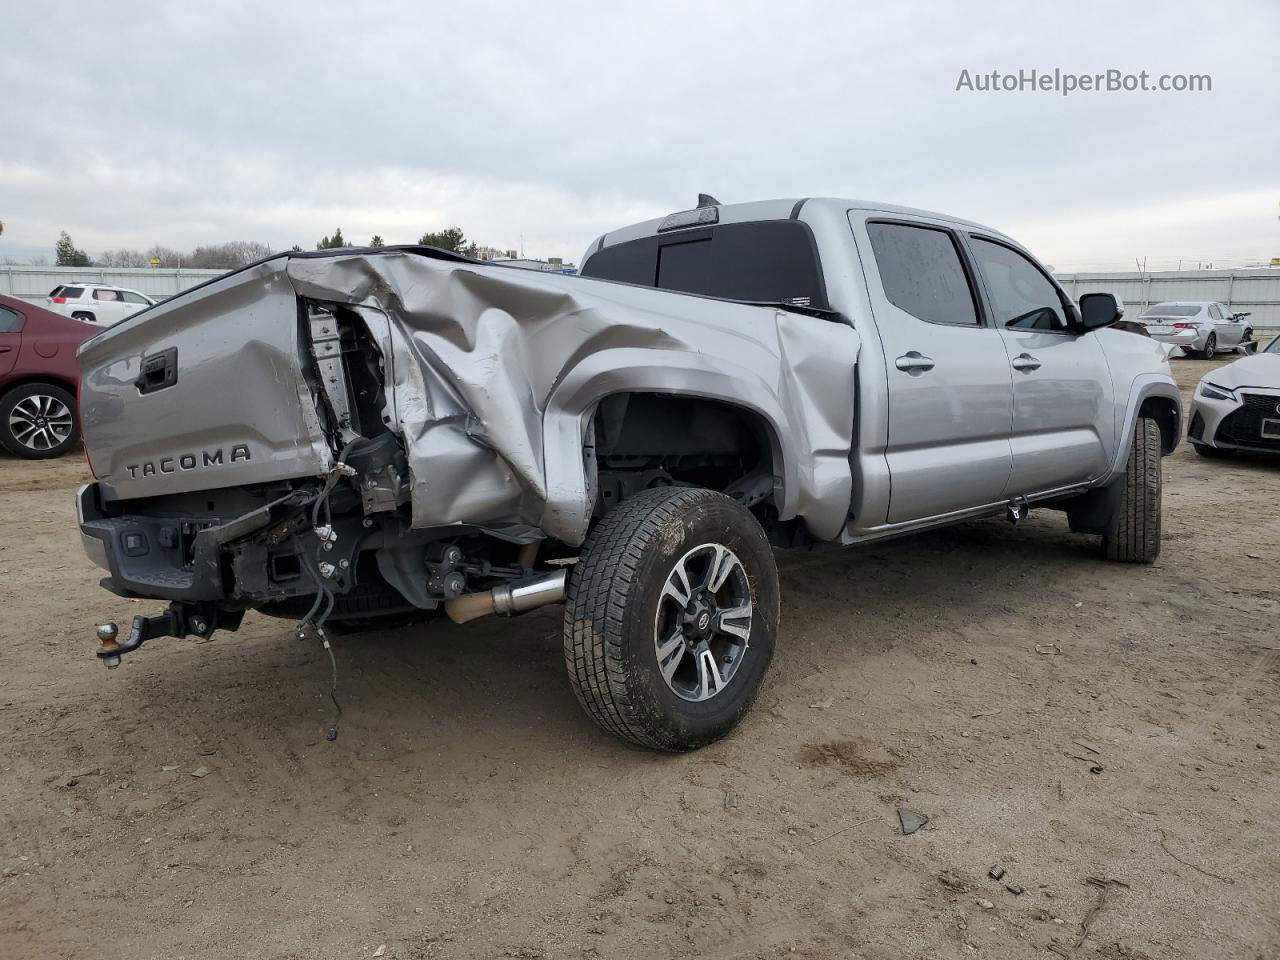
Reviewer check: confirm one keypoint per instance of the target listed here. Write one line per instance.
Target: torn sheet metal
(492, 374)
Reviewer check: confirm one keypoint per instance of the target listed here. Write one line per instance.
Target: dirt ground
(1109, 734)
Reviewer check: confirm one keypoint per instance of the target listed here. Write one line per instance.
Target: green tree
(332, 243)
(68, 254)
(295, 249)
(377, 241)
(450, 238)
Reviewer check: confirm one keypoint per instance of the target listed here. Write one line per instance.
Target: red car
(39, 376)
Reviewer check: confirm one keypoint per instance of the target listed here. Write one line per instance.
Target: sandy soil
(1109, 734)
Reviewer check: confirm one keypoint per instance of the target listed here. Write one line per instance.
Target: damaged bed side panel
(495, 372)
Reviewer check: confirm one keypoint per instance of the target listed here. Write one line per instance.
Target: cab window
(921, 273)
(1022, 298)
(768, 261)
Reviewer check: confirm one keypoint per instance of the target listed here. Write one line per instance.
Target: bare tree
(121, 258)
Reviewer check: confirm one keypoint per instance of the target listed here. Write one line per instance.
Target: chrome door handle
(1025, 361)
(913, 362)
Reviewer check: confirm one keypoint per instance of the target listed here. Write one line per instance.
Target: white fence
(1255, 291)
(34, 283)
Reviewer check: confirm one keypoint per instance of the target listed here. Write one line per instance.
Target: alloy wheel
(41, 422)
(703, 622)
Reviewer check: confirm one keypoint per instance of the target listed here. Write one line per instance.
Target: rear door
(108, 305)
(1062, 395)
(11, 323)
(950, 393)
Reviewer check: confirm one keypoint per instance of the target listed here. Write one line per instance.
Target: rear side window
(105, 295)
(921, 273)
(772, 261)
(1021, 296)
(10, 320)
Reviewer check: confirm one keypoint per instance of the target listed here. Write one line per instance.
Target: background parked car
(38, 379)
(1237, 407)
(99, 303)
(1202, 326)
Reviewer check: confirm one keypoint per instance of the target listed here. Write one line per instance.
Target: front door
(950, 394)
(1062, 396)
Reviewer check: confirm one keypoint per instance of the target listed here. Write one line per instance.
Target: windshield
(1273, 346)
(1173, 310)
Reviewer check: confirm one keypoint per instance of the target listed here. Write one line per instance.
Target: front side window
(130, 297)
(1022, 297)
(10, 320)
(921, 273)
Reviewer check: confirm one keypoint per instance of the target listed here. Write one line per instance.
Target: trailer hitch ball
(107, 633)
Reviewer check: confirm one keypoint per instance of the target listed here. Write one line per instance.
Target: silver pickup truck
(352, 438)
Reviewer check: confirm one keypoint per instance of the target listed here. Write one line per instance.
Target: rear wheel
(671, 616)
(1137, 533)
(82, 315)
(1210, 347)
(38, 421)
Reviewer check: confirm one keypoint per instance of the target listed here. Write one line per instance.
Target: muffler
(508, 598)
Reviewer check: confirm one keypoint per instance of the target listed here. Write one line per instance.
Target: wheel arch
(71, 386)
(1152, 395)
(568, 441)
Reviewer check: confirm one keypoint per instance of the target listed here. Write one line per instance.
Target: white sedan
(1237, 407)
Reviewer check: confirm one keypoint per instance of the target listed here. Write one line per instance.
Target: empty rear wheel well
(652, 439)
(1165, 414)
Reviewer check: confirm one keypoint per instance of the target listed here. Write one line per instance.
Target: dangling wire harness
(325, 598)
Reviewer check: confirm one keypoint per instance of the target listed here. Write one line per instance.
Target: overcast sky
(134, 124)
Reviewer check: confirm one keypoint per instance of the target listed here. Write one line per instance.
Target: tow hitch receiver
(180, 620)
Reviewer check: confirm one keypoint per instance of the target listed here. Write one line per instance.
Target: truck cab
(974, 362)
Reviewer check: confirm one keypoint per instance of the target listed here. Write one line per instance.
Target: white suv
(98, 303)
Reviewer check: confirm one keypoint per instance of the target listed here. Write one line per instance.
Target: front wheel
(1137, 532)
(671, 616)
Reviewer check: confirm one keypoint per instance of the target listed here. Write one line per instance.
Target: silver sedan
(1237, 407)
(1199, 326)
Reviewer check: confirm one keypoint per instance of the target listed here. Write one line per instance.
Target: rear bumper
(159, 558)
(1190, 339)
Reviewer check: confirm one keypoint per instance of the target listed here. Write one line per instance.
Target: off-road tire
(1137, 535)
(612, 605)
(1214, 453)
(10, 443)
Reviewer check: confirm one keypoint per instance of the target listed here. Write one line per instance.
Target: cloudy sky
(134, 124)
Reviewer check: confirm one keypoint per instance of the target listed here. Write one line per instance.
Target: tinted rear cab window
(771, 261)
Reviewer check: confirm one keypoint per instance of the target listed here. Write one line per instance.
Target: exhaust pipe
(508, 598)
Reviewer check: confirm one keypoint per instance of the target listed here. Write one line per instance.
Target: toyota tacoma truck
(353, 437)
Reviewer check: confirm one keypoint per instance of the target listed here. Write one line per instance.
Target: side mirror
(1099, 310)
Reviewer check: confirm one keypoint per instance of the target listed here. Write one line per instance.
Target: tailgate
(203, 391)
